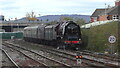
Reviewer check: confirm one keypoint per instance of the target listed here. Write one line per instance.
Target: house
(110, 13)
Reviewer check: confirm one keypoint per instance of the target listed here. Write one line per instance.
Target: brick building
(110, 13)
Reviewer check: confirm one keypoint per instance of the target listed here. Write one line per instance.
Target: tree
(52, 22)
(31, 16)
(41, 20)
(67, 18)
(79, 21)
(47, 20)
(62, 18)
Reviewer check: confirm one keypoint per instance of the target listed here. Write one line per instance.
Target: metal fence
(97, 23)
(20, 23)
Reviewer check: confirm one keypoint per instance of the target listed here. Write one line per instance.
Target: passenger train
(66, 34)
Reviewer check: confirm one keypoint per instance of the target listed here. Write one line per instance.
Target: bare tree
(31, 16)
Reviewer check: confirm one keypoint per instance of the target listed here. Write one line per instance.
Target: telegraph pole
(105, 8)
(105, 12)
(18, 27)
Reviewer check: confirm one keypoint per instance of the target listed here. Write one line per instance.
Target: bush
(97, 37)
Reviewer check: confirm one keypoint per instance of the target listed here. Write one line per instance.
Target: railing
(19, 23)
(97, 23)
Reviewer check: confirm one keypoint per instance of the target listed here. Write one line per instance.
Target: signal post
(112, 40)
(79, 58)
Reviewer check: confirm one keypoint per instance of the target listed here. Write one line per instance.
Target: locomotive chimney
(117, 2)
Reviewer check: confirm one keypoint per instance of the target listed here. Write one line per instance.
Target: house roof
(114, 11)
(109, 11)
(117, 0)
(97, 12)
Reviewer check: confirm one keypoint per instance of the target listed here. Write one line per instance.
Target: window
(115, 17)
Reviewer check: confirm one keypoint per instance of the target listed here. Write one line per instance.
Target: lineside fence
(97, 23)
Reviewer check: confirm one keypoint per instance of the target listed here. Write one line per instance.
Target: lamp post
(11, 24)
(18, 27)
(105, 12)
(39, 15)
(105, 8)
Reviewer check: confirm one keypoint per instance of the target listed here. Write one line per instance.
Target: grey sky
(19, 8)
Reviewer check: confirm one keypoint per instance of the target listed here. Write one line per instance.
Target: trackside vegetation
(96, 38)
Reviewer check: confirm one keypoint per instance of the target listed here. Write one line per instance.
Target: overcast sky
(19, 8)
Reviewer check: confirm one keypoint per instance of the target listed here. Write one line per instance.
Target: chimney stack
(117, 2)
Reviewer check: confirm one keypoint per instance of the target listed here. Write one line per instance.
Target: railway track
(95, 58)
(44, 59)
(61, 58)
(20, 59)
(100, 62)
(71, 57)
(107, 62)
(7, 61)
(101, 55)
(89, 62)
(96, 61)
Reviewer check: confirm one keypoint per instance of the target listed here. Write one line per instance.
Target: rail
(72, 56)
(66, 65)
(10, 59)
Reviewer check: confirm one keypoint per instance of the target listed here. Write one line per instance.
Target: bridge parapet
(19, 23)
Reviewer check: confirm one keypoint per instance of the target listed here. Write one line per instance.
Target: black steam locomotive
(66, 34)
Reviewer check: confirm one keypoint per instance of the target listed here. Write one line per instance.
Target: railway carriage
(66, 34)
(40, 30)
(30, 33)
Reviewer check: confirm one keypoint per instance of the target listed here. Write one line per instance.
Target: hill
(50, 18)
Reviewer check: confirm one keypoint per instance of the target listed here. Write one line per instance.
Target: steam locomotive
(67, 34)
